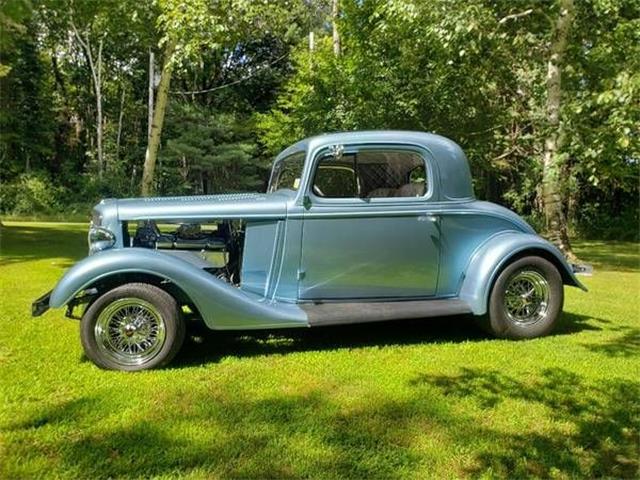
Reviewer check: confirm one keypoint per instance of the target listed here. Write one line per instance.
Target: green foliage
(208, 152)
(31, 195)
(421, 66)
(597, 221)
(474, 72)
(603, 114)
(13, 14)
(245, 85)
(26, 119)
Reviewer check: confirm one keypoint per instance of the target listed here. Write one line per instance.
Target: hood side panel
(225, 206)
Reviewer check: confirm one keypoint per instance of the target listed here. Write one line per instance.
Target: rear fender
(498, 251)
(221, 305)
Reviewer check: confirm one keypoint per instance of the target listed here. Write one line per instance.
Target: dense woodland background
(242, 79)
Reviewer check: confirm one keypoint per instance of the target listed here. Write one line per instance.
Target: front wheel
(136, 326)
(526, 299)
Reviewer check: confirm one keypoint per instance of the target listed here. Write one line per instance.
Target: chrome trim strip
(360, 212)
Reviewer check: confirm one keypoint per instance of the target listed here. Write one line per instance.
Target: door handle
(428, 218)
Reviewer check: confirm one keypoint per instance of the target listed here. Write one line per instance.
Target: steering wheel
(317, 191)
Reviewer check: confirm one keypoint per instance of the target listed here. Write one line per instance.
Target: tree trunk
(153, 146)
(99, 126)
(335, 11)
(134, 174)
(184, 169)
(151, 86)
(552, 200)
(96, 76)
(120, 117)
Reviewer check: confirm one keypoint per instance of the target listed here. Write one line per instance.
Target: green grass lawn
(428, 398)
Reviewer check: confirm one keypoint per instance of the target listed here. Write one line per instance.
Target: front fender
(495, 253)
(221, 305)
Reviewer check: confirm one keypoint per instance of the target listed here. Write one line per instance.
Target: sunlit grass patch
(425, 398)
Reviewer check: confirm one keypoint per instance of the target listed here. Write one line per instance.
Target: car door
(367, 227)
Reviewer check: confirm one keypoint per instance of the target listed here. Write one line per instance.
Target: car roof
(451, 162)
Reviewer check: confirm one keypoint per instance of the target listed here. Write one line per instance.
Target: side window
(336, 178)
(336, 182)
(371, 173)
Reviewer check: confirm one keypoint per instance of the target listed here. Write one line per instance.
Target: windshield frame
(278, 167)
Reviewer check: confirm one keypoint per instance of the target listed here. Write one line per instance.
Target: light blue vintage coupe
(354, 227)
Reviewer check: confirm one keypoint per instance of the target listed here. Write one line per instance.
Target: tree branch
(504, 155)
(77, 34)
(235, 82)
(515, 16)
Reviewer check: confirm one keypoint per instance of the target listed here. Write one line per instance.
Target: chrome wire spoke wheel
(131, 331)
(526, 298)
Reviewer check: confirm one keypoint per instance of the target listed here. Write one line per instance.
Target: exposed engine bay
(219, 244)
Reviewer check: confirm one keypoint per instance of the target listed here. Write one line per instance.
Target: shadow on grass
(625, 345)
(574, 323)
(24, 243)
(62, 413)
(212, 346)
(609, 255)
(206, 433)
(603, 438)
(282, 437)
(215, 345)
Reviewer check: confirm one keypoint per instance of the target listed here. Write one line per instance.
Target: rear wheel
(526, 299)
(136, 326)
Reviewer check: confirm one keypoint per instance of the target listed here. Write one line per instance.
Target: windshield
(287, 172)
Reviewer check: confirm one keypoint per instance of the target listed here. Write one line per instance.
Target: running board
(359, 312)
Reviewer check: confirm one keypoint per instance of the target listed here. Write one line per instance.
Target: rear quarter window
(371, 173)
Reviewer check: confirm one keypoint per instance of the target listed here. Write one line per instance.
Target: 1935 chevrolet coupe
(354, 227)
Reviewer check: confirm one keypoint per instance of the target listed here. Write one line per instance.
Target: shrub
(29, 195)
(596, 221)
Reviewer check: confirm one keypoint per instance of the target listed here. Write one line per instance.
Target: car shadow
(570, 323)
(206, 346)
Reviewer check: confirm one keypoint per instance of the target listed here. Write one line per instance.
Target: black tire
(153, 311)
(505, 320)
